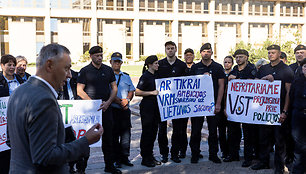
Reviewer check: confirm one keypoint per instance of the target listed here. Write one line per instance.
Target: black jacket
(4, 89)
(73, 85)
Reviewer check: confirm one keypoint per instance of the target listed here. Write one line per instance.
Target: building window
(291, 9)
(128, 32)
(261, 8)
(39, 26)
(39, 45)
(156, 5)
(195, 6)
(120, 5)
(73, 4)
(229, 7)
(4, 45)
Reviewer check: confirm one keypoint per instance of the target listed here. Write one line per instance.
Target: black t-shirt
(281, 72)
(294, 66)
(298, 93)
(97, 81)
(215, 69)
(147, 83)
(177, 69)
(249, 72)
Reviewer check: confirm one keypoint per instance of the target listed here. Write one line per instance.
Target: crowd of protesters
(116, 90)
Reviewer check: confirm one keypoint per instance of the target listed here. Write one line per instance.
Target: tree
(262, 52)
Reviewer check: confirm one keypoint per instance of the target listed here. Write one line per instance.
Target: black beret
(283, 55)
(206, 46)
(299, 47)
(274, 47)
(95, 49)
(189, 50)
(241, 51)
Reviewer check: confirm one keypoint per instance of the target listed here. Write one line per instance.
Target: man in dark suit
(69, 91)
(35, 124)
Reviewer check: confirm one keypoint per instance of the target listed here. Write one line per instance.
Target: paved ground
(96, 162)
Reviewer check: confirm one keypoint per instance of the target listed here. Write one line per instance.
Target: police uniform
(97, 86)
(250, 131)
(217, 72)
(283, 73)
(298, 98)
(149, 114)
(6, 88)
(122, 119)
(179, 140)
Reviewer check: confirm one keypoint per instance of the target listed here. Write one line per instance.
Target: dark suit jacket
(36, 132)
(73, 85)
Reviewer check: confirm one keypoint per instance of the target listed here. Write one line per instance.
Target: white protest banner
(253, 101)
(3, 122)
(81, 115)
(187, 96)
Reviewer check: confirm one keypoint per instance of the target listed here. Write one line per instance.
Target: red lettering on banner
(234, 86)
(275, 89)
(81, 133)
(2, 138)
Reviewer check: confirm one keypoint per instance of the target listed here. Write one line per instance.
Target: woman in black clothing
(222, 121)
(9, 81)
(298, 98)
(148, 111)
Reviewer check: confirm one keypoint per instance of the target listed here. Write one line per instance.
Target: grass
(132, 70)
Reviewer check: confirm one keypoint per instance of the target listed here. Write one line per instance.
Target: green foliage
(197, 56)
(262, 52)
(159, 56)
(85, 57)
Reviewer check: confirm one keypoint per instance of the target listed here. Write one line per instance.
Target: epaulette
(126, 73)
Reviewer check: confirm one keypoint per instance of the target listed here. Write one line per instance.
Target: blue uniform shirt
(124, 87)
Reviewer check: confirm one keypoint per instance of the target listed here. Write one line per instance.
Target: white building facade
(141, 27)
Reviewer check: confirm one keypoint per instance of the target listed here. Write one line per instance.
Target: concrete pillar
(211, 23)
(245, 24)
(175, 22)
(47, 23)
(276, 25)
(304, 26)
(93, 24)
(135, 29)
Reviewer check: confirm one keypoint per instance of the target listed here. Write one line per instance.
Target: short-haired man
(97, 81)
(216, 71)
(121, 112)
(275, 70)
(283, 57)
(171, 66)
(243, 70)
(35, 124)
(189, 57)
(300, 54)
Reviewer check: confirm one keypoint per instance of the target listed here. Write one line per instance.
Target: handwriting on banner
(3, 123)
(182, 96)
(258, 101)
(81, 115)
